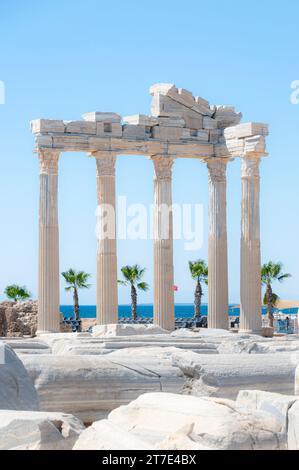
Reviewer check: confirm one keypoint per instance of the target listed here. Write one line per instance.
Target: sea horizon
(181, 310)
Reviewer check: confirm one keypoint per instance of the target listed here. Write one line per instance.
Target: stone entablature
(180, 125)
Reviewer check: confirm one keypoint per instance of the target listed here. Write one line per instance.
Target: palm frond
(273, 272)
(143, 286)
(132, 273)
(198, 269)
(76, 279)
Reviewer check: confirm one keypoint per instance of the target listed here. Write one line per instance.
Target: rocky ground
(143, 388)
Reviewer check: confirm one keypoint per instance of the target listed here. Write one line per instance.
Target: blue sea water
(146, 310)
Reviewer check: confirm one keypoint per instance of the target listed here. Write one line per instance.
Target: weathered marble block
(140, 120)
(167, 133)
(209, 123)
(99, 117)
(109, 129)
(47, 125)
(226, 116)
(123, 329)
(81, 127)
(293, 427)
(16, 389)
(91, 386)
(36, 430)
(224, 375)
(168, 421)
(250, 129)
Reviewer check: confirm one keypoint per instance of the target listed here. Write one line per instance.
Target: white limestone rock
(103, 435)
(293, 427)
(16, 389)
(202, 332)
(275, 404)
(226, 374)
(90, 386)
(35, 430)
(126, 329)
(169, 421)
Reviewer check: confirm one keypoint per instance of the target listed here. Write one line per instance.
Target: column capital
(105, 162)
(48, 159)
(217, 169)
(162, 166)
(250, 166)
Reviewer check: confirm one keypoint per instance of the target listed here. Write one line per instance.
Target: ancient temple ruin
(179, 126)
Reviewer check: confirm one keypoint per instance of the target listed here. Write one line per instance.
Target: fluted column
(218, 277)
(48, 272)
(107, 296)
(163, 243)
(250, 316)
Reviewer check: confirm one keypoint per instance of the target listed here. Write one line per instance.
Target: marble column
(163, 243)
(218, 271)
(250, 315)
(48, 272)
(107, 295)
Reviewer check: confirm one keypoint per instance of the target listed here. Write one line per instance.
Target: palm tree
(199, 272)
(76, 280)
(133, 274)
(271, 272)
(15, 292)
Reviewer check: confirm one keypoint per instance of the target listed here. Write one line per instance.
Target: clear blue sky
(59, 59)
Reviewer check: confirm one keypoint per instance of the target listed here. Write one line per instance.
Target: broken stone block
(192, 119)
(171, 122)
(167, 133)
(293, 427)
(44, 141)
(202, 102)
(226, 116)
(134, 132)
(81, 127)
(161, 88)
(255, 144)
(47, 125)
(198, 134)
(36, 430)
(140, 120)
(109, 129)
(96, 116)
(202, 135)
(214, 135)
(230, 132)
(209, 123)
(165, 106)
(250, 129)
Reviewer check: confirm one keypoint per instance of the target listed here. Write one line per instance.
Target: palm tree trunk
(197, 300)
(270, 305)
(76, 304)
(134, 302)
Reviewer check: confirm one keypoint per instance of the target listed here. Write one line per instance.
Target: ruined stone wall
(18, 318)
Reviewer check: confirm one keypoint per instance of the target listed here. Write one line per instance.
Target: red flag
(175, 288)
